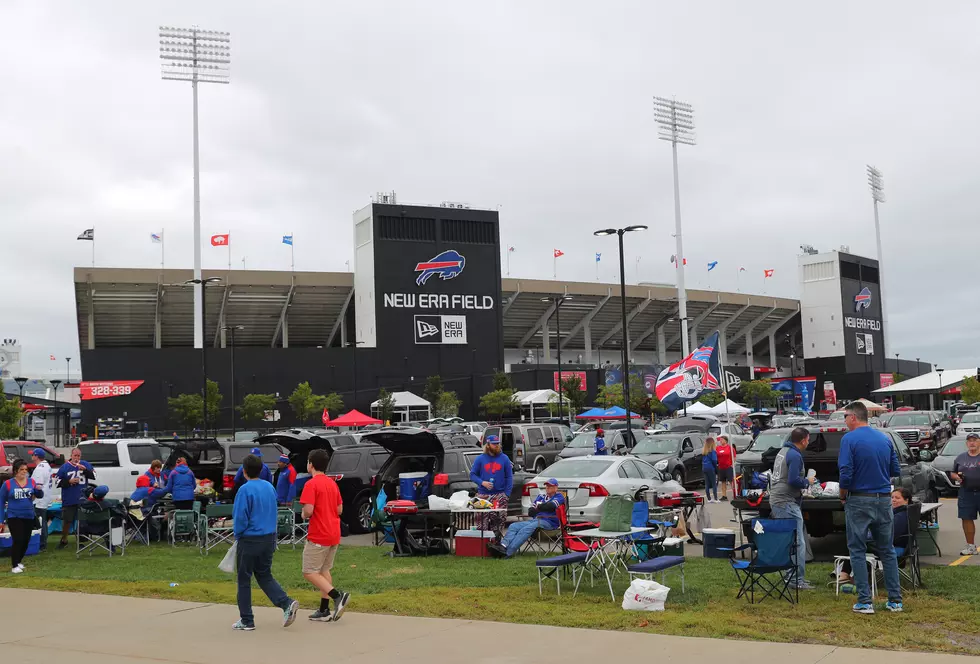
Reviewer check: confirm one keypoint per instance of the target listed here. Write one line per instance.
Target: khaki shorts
(318, 559)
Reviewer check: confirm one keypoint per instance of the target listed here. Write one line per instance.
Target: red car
(21, 449)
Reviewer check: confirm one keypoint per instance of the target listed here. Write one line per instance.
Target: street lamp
(676, 120)
(940, 372)
(21, 382)
(196, 56)
(57, 415)
(877, 186)
(204, 357)
(622, 296)
(231, 328)
(67, 370)
(792, 369)
(558, 300)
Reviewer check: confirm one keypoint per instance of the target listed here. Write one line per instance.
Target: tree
(433, 390)
(501, 381)
(10, 415)
(309, 407)
(447, 405)
(386, 405)
(329, 402)
(656, 406)
(498, 402)
(612, 395)
(187, 410)
(970, 390)
(255, 406)
(759, 392)
(214, 399)
(712, 398)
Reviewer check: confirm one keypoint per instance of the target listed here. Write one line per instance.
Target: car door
(691, 448)
(909, 466)
(739, 438)
(629, 479)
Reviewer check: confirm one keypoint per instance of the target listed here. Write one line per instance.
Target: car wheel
(539, 466)
(361, 521)
(678, 476)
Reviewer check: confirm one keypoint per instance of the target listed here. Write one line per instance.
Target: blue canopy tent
(592, 414)
(617, 413)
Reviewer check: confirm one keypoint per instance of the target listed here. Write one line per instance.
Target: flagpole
(508, 261)
(554, 258)
(597, 269)
(93, 247)
(292, 252)
(738, 279)
(163, 239)
(229, 250)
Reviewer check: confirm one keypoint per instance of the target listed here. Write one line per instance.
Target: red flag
(221, 240)
(559, 253)
(325, 417)
(769, 273)
(51, 356)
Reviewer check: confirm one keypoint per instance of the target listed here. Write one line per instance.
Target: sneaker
(724, 499)
(970, 550)
(341, 605)
(289, 613)
(242, 627)
(866, 609)
(20, 566)
(496, 550)
(894, 607)
(321, 616)
(62, 545)
(16, 570)
(805, 585)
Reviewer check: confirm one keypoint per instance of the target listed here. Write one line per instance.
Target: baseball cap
(552, 481)
(256, 451)
(38, 452)
(100, 491)
(283, 458)
(493, 439)
(973, 436)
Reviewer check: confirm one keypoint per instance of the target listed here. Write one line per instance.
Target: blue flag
(287, 239)
(597, 256)
(687, 379)
(712, 265)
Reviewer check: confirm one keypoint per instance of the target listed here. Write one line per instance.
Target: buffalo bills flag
(686, 380)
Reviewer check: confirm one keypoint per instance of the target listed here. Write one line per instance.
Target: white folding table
(610, 555)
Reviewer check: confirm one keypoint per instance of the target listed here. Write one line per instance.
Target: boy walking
(322, 507)
(255, 520)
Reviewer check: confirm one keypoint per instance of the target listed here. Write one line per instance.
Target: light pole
(622, 296)
(877, 185)
(196, 56)
(676, 120)
(940, 372)
(231, 328)
(57, 415)
(353, 356)
(21, 382)
(67, 370)
(202, 283)
(918, 369)
(558, 300)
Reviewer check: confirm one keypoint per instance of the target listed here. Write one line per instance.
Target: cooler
(716, 539)
(410, 485)
(473, 543)
(33, 548)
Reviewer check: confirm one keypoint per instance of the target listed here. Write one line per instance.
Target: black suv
(354, 469)
(420, 450)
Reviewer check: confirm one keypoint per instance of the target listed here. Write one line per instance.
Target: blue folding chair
(769, 571)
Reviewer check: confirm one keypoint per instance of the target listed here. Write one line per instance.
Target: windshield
(902, 420)
(584, 439)
(768, 441)
(955, 447)
(839, 415)
(576, 468)
(658, 445)
(971, 417)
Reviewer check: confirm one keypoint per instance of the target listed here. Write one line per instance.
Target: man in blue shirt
(867, 463)
(73, 476)
(544, 515)
(266, 474)
(255, 522)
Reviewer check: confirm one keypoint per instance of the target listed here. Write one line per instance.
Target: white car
(969, 424)
(736, 435)
(117, 462)
(587, 481)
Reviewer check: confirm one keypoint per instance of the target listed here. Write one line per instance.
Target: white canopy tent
(732, 408)
(698, 408)
(409, 407)
(928, 383)
(534, 403)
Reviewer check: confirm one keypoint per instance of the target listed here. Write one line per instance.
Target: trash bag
(227, 563)
(437, 503)
(643, 595)
(459, 500)
(670, 486)
(702, 519)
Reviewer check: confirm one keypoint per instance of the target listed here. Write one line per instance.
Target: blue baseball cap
(283, 458)
(552, 481)
(38, 452)
(256, 451)
(493, 439)
(100, 491)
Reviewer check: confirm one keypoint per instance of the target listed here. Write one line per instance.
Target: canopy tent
(354, 418)
(617, 413)
(697, 408)
(409, 407)
(732, 408)
(929, 383)
(591, 414)
(870, 405)
(536, 404)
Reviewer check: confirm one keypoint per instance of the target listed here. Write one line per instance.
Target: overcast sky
(541, 108)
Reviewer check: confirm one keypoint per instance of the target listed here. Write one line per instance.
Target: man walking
(286, 482)
(966, 471)
(72, 477)
(322, 507)
(867, 463)
(786, 494)
(255, 523)
(44, 479)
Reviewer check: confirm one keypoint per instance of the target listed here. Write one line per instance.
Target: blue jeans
(874, 514)
(792, 511)
(255, 558)
(710, 483)
(517, 534)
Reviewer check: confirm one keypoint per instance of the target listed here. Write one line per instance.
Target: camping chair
(300, 526)
(286, 526)
(88, 540)
(215, 526)
(381, 522)
(908, 550)
(137, 525)
(774, 554)
(184, 524)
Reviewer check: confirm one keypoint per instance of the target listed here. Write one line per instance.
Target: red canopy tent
(354, 418)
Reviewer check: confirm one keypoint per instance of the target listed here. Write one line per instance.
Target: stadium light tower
(195, 56)
(676, 120)
(877, 185)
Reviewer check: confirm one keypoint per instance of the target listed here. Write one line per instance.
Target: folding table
(621, 547)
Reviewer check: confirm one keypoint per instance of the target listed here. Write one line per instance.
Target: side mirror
(926, 456)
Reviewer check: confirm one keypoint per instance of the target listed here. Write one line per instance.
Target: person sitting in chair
(900, 529)
(544, 515)
(145, 497)
(96, 504)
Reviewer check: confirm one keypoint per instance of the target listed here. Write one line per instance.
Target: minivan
(533, 447)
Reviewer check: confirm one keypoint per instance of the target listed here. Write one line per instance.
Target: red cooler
(473, 543)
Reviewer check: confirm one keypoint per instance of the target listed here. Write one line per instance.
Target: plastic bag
(670, 486)
(227, 563)
(702, 519)
(643, 595)
(459, 500)
(437, 503)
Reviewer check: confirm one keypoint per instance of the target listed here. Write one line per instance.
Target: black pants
(20, 537)
(184, 504)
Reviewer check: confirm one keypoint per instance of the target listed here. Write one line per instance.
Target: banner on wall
(801, 390)
(103, 389)
(565, 375)
(829, 393)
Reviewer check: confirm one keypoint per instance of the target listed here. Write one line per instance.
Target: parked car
(22, 449)
(119, 461)
(969, 423)
(677, 455)
(588, 481)
(943, 464)
(420, 450)
(531, 446)
(583, 443)
(611, 425)
(245, 436)
(736, 435)
(920, 429)
(354, 469)
(702, 423)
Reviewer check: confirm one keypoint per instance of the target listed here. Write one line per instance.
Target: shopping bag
(644, 595)
(437, 503)
(459, 500)
(617, 514)
(703, 519)
(227, 563)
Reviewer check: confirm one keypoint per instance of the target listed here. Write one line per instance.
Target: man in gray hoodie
(786, 493)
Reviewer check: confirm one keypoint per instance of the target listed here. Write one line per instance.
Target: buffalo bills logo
(863, 299)
(492, 467)
(448, 265)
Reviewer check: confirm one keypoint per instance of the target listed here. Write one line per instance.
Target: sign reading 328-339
(102, 389)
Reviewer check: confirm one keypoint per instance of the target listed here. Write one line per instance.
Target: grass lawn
(943, 617)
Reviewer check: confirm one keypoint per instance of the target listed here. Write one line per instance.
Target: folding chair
(215, 526)
(908, 549)
(137, 528)
(286, 526)
(774, 552)
(300, 526)
(183, 524)
(87, 540)
(551, 568)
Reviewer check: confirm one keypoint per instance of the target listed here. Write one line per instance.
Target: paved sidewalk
(42, 627)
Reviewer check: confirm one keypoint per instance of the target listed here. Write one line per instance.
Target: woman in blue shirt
(709, 465)
(17, 512)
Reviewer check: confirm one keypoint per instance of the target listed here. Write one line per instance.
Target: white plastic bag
(459, 500)
(227, 563)
(438, 503)
(643, 595)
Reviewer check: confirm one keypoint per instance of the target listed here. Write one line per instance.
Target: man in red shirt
(322, 507)
(726, 463)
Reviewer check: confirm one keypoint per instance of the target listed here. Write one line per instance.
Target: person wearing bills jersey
(544, 515)
(17, 512)
(72, 478)
(285, 482)
(43, 476)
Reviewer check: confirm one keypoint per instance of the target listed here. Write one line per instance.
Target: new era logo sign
(440, 329)
(865, 344)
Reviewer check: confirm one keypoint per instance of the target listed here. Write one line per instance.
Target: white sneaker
(970, 550)
(21, 566)
(17, 570)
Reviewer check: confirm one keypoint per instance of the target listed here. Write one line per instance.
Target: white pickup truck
(119, 461)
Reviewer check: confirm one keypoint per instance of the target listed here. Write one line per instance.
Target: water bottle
(174, 585)
(491, 483)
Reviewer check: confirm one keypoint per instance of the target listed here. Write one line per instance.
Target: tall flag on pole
(221, 240)
(712, 265)
(598, 257)
(89, 234)
(741, 269)
(288, 239)
(558, 253)
(687, 379)
(157, 238)
(510, 250)
(768, 273)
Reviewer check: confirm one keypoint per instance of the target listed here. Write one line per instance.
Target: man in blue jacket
(286, 482)
(72, 478)
(181, 485)
(786, 494)
(255, 524)
(493, 474)
(867, 463)
(266, 474)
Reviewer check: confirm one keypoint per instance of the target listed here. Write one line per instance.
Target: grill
(909, 436)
